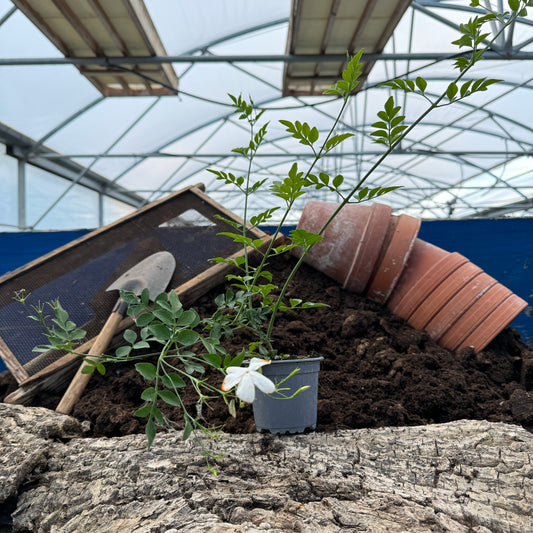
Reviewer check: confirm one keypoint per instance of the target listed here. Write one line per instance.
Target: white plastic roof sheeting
(470, 159)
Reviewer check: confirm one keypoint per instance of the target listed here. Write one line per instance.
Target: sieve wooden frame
(189, 285)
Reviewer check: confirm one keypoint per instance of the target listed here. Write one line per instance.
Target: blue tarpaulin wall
(17, 249)
(503, 248)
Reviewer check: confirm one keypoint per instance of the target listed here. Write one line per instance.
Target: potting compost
(377, 370)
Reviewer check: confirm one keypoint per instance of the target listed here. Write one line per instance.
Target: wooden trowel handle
(79, 381)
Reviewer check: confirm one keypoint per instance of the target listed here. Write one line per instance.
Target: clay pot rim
(498, 319)
(391, 265)
(368, 251)
(423, 288)
(454, 310)
(445, 291)
(474, 316)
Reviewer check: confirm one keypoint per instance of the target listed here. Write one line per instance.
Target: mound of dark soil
(377, 371)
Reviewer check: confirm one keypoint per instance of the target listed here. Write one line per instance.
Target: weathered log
(465, 476)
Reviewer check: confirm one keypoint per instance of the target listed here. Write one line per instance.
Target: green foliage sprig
(168, 332)
(61, 332)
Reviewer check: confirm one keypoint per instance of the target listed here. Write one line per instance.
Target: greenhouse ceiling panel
(334, 29)
(92, 28)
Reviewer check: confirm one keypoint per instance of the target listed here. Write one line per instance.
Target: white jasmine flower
(246, 379)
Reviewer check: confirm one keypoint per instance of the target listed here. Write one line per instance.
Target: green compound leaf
(172, 380)
(338, 181)
(465, 88)
(160, 331)
(140, 345)
(451, 91)
(143, 411)
(187, 337)
(123, 351)
(236, 361)
(61, 314)
(165, 316)
(89, 368)
(313, 305)
(147, 370)
(145, 297)
(260, 218)
(301, 237)
(192, 366)
(230, 222)
(78, 334)
(350, 77)
(188, 318)
(421, 83)
(213, 359)
(130, 336)
(231, 408)
(187, 430)
(161, 301)
(169, 397)
(158, 415)
(396, 120)
(129, 297)
(150, 432)
(144, 319)
(336, 140)
(149, 394)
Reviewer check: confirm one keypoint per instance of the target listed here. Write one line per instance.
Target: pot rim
(291, 360)
(298, 359)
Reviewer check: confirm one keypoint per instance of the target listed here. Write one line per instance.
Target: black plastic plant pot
(273, 413)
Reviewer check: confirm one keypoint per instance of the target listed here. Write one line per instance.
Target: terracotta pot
(335, 254)
(474, 316)
(442, 294)
(427, 267)
(454, 310)
(423, 257)
(451, 298)
(498, 319)
(395, 251)
(369, 249)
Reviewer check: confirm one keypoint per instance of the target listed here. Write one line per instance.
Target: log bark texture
(465, 476)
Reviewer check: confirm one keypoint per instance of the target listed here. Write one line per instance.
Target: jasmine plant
(256, 308)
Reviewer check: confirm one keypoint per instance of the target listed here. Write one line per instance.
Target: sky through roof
(88, 159)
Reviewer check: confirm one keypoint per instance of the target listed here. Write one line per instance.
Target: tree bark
(465, 476)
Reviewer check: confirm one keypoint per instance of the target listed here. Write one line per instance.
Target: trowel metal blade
(152, 273)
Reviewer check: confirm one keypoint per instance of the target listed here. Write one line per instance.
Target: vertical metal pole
(100, 210)
(21, 194)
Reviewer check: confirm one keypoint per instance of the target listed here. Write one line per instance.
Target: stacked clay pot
(364, 247)
(372, 252)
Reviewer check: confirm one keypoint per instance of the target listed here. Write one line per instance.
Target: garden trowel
(153, 273)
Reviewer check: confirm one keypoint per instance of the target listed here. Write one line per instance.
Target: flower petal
(231, 380)
(262, 383)
(246, 389)
(236, 370)
(256, 363)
